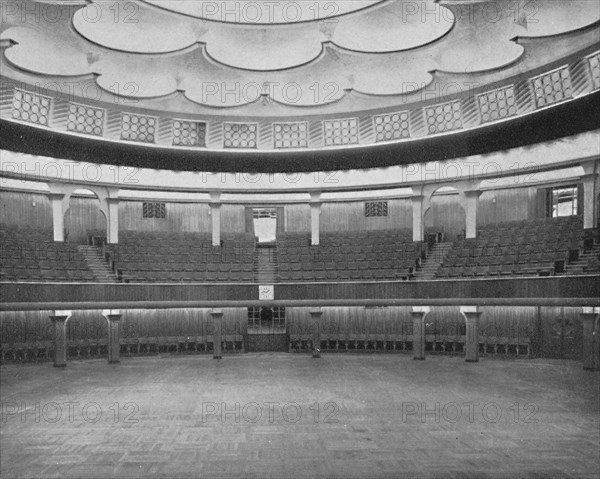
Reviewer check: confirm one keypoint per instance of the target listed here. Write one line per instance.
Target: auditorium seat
(535, 247)
(348, 256)
(183, 257)
(30, 254)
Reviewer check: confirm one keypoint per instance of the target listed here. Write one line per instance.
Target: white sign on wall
(266, 292)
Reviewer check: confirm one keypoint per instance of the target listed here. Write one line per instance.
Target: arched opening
(84, 218)
(445, 214)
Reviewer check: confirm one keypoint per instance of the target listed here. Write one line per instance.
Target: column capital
(315, 196)
(112, 314)
(60, 315)
(472, 193)
(470, 311)
(590, 167)
(216, 313)
(215, 196)
(415, 198)
(421, 309)
(55, 196)
(316, 312)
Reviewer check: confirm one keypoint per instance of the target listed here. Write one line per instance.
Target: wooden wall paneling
(297, 218)
(31, 210)
(29, 335)
(446, 214)
(182, 217)
(233, 219)
(83, 215)
(350, 216)
(562, 331)
(510, 204)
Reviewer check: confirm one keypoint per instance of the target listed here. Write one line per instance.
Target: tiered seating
(30, 254)
(183, 257)
(348, 256)
(532, 247)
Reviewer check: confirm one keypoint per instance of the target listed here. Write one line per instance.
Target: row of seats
(30, 254)
(162, 276)
(344, 256)
(182, 257)
(538, 247)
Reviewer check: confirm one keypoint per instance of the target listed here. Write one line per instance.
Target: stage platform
(278, 415)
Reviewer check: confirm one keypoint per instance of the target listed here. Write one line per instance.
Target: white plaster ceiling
(307, 58)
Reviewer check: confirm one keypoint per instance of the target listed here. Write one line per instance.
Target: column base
(471, 360)
(60, 365)
(419, 359)
(316, 354)
(217, 357)
(587, 368)
(114, 361)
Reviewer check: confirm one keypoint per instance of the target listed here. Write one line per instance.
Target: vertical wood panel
(512, 204)
(18, 209)
(297, 218)
(181, 217)
(233, 219)
(446, 214)
(351, 216)
(83, 214)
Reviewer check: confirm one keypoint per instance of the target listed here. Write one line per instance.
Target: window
(264, 213)
(376, 208)
(154, 210)
(266, 320)
(563, 201)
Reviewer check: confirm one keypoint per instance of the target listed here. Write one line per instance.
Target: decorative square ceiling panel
(291, 134)
(189, 133)
(341, 132)
(392, 126)
(443, 117)
(240, 135)
(85, 119)
(136, 127)
(31, 107)
(497, 104)
(552, 87)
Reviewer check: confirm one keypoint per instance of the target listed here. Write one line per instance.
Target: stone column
(417, 208)
(471, 315)
(114, 345)
(112, 229)
(59, 318)
(418, 314)
(471, 198)
(590, 195)
(315, 218)
(58, 215)
(217, 322)
(316, 315)
(215, 214)
(591, 338)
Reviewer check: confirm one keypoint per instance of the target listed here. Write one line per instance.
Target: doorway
(266, 329)
(265, 225)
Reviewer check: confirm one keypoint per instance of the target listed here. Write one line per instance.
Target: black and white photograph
(299, 239)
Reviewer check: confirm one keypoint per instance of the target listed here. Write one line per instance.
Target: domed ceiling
(298, 53)
(289, 75)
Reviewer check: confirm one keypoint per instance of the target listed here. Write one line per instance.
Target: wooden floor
(341, 416)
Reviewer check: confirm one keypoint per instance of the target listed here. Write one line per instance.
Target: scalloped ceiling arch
(383, 48)
(264, 12)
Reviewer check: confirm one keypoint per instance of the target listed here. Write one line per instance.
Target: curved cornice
(565, 119)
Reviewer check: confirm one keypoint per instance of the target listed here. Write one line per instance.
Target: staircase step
(96, 264)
